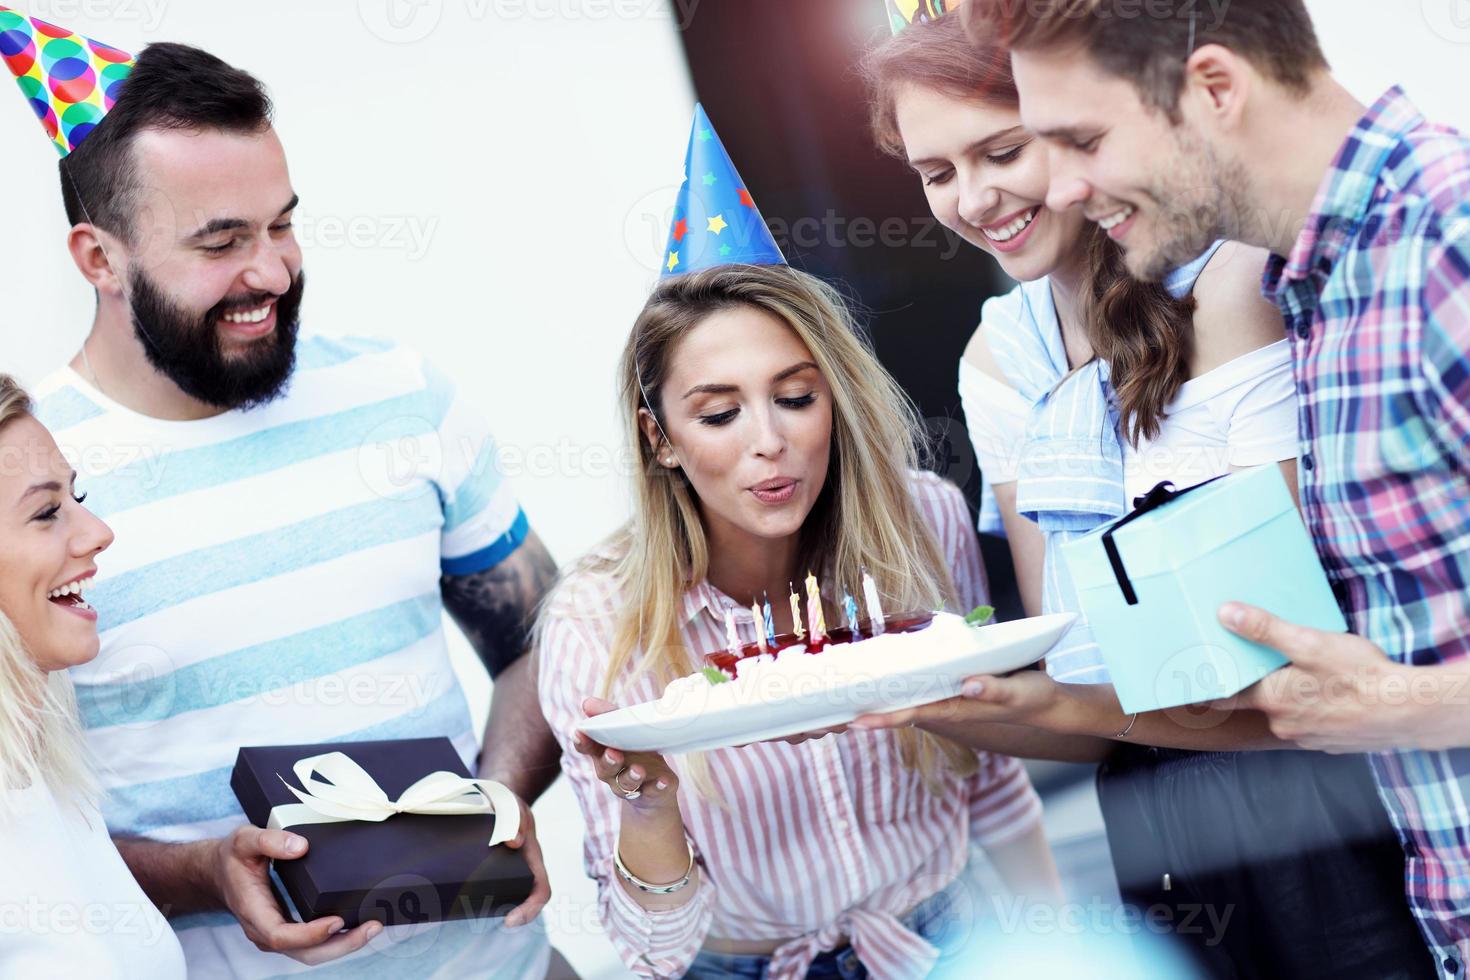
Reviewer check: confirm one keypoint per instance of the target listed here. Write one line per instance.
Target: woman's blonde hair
(40, 737)
(865, 517)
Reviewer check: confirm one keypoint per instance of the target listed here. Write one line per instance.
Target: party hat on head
(906, 13)
(70, 81)
(716, 221)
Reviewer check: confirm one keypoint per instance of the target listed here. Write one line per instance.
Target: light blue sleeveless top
(1070, 478)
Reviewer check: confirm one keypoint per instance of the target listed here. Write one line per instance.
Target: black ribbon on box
(397, 869)
(1162, 494)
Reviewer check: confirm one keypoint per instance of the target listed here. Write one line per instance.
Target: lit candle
(814, 608)
(875, 607)
(770, 622)
(849, 610)
(796, 613)
(731, 636)
(760, 634)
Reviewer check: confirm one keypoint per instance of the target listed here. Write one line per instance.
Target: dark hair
(1142, 331)
(936, 55)
(1150, 47)
(172, 86)
(1144, 334)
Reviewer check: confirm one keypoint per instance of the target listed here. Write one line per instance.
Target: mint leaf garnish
(980, 615)
(714, 675)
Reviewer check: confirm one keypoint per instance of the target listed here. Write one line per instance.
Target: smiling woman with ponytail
(1082, 389)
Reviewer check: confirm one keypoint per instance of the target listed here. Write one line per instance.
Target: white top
(68, 906)
(1242, 413)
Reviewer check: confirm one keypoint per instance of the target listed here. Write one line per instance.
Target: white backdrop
(1423, 45)
(489, 180)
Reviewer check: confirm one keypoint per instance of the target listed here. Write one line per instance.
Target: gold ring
(625, 793)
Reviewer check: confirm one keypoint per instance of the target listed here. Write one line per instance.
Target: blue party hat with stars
(716, 221)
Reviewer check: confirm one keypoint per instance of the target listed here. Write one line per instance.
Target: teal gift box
(1151, 585)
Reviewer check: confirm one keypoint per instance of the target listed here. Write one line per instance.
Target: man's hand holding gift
(236, 869)
(1341, 693)
(529, 845)
(239, 869)
(366, 804)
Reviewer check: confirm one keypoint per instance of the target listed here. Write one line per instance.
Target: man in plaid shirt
(1181, 125)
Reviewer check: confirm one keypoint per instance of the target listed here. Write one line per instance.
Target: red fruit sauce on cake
(909, 622)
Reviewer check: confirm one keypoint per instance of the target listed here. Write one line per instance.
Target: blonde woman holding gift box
(68, 905)
(1084, 389)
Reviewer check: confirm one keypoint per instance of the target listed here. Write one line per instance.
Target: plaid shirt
(1377, 300)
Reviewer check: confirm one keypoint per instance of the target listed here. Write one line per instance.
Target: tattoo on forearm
(497, 608)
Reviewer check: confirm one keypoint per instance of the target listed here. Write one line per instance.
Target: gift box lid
(352, 862)
(1185, 529)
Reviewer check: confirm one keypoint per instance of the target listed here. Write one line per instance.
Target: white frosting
(794, 672)
(775, 696)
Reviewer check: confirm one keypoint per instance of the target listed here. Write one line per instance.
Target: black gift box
(409, 868)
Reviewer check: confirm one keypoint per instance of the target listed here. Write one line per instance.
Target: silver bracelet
(1131, 722)
(648, 886)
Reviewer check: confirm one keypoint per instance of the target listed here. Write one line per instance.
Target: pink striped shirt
(828, 839)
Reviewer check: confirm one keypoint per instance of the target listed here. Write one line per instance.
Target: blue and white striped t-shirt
(275, 580)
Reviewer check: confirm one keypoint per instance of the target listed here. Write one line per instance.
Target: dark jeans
(928, 919)
(1294, 847)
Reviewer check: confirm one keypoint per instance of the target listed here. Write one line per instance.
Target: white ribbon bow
(352, 794)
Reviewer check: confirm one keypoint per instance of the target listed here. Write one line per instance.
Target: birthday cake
(814, 678)
(801, 663)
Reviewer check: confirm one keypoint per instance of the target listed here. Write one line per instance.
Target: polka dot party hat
(716, 221)
(903, 14)
(70, 81)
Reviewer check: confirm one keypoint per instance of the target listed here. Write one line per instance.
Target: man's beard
(1196, 206)
(186, 348)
